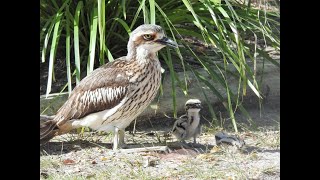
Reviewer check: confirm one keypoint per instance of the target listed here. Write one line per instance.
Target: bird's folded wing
(103, 89)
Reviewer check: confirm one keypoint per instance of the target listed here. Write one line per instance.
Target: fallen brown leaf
(68, 162)
(215, 149)
(104, 159)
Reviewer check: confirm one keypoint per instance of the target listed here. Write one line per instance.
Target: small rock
(229, 139)
(150, 162)
(44, 175)
(150, 134)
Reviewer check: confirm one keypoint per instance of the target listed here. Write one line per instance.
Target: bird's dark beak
(168, 42)
(198, 105)
(194, 106)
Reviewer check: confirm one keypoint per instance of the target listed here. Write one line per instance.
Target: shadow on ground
(64, 147)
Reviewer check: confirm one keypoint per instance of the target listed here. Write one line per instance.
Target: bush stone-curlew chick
(188, 125)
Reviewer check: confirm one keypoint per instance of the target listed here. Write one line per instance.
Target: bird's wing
(103, 89)
(180, 127)
(180, 123)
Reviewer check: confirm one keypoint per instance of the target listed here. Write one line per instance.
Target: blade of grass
(82, 36)
(55, 4)
(222, 81)
(68, 52)
(211, 110)
(76, 41)
(53, 52)
(102, 26)
(265, 55)
(51, 21)
(254, 89)
(44, 28)
(109, 55)
(124, 25)
(152, 12)
(56, 97)
(168, 61)
(93, 37)
(123, 5)
(169, 24)
(137, 13)
(231, 113)
(46, 41)
(197, 22)
(112, 27)
(146, 13)
(195, 16)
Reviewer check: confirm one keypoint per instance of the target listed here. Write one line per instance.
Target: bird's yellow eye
(148, 37)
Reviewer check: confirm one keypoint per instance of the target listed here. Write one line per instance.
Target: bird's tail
(48, 128)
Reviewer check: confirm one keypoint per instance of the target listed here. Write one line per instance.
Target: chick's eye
(148, 37)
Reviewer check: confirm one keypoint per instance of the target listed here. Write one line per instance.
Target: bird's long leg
(195, 145)
(116, 138)
(118, 142)
(122, 144)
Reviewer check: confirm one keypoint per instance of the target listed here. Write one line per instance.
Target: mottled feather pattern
(186, 127)
(179, 127)
(142, 91)
(96, 92)
(108, 85)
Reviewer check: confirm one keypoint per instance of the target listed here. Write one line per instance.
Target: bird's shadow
(58, 148)
(250, 149)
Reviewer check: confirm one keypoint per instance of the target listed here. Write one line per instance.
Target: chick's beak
(168, 42)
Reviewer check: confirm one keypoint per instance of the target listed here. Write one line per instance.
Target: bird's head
(193, 105)
(148, 38)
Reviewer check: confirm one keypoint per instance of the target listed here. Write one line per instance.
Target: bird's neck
(193, 117)
(140, 54)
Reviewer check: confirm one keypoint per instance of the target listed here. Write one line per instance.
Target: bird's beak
(198, 105)
(168, 42)
(194, 106)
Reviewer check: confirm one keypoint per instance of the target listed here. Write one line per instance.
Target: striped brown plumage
(114, 94)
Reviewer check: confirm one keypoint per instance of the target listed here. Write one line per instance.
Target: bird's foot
(190, 145)
(123, 146)
(195, 145)
(184, 144)
(120, 146)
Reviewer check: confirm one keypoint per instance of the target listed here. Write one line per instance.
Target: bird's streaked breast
(143, 87)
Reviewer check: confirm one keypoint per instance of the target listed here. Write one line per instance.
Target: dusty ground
(90, 156)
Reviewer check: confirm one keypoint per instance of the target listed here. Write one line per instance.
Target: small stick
(145, 149)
